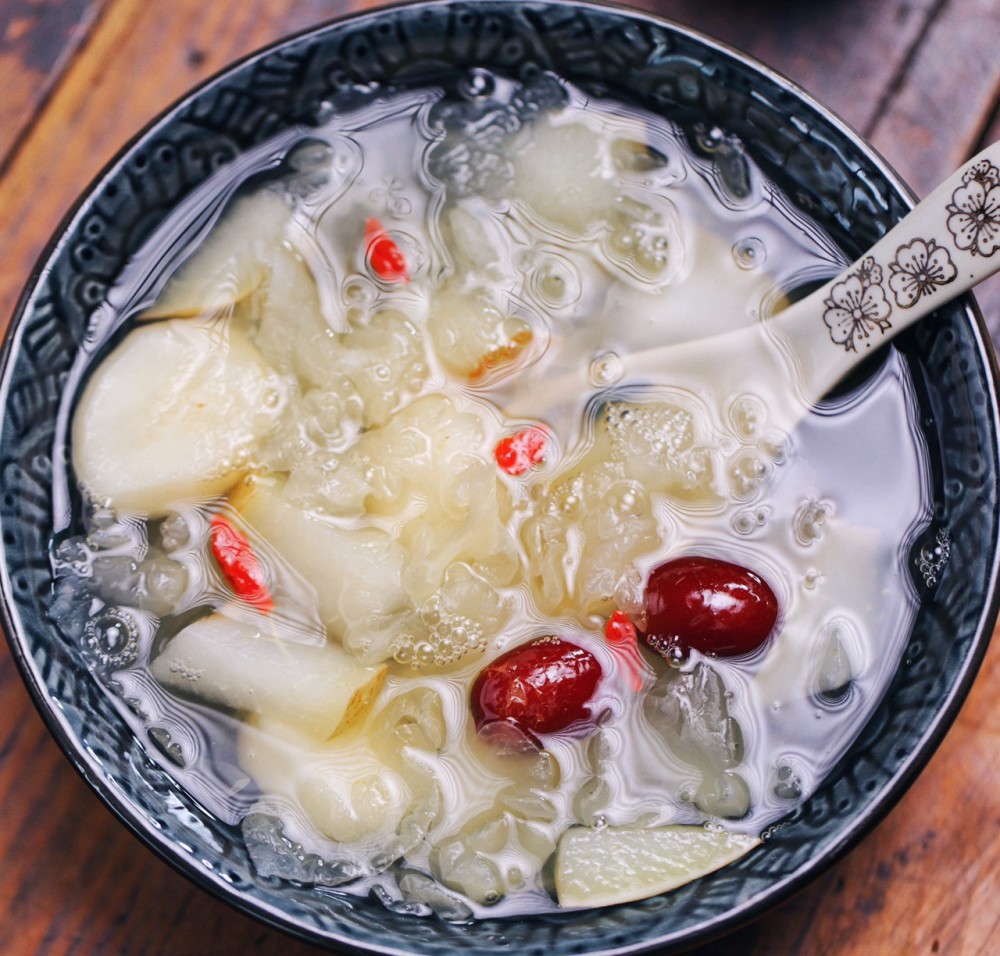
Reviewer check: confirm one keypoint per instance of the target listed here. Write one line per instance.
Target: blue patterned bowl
(826, 170)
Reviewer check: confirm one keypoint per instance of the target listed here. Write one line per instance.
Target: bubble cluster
(931, 560)
(456, 620)
(747, 473)
(747, 418)
(660, 431)
(759, 449)
(655, 443)
(441, 638)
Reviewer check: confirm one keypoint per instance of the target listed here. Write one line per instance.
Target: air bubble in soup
(298, 390)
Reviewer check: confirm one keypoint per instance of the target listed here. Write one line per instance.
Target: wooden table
(919, 78)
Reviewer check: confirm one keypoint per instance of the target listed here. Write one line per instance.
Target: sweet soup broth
(309, 524)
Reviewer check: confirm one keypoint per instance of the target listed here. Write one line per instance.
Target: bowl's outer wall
(825, 168)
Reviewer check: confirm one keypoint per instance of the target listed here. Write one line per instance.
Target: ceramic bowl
(716, 96)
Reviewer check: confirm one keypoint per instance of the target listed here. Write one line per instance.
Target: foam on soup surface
(356, 606)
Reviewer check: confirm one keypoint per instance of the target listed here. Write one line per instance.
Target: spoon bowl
(943, 247)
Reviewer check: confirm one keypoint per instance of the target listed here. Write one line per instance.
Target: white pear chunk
(232, 262)
(227, 663)
(345, 791)
(174, 412)
(357, 572)
(609, 865)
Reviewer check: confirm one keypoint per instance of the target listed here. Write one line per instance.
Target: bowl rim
(124, 810)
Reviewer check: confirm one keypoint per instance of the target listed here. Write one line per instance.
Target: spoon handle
(944, 246)
(948, 243)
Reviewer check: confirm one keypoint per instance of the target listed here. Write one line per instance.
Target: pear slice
(609, 865)
(231, 264)
(174, 412)
(319, 690)
(343, 788)
(357, 572)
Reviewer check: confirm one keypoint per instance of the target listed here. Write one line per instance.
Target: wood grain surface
(920, 78)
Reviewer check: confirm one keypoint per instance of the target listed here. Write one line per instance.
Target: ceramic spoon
(944, 246)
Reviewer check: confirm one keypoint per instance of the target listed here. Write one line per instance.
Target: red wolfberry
(623, 642)
(384, 255)
(240, 566)
(516, 453)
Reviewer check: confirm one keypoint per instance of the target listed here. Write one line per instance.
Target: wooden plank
(934, 120)
(37, 40)
(844, 55)
(75, 882)
(946, 108)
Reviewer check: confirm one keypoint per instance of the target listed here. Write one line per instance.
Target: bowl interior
(728, 107)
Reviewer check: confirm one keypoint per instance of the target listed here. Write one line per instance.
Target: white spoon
(944, 246)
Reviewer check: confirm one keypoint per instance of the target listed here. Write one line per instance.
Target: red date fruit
(708, 605)
(541, 687)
